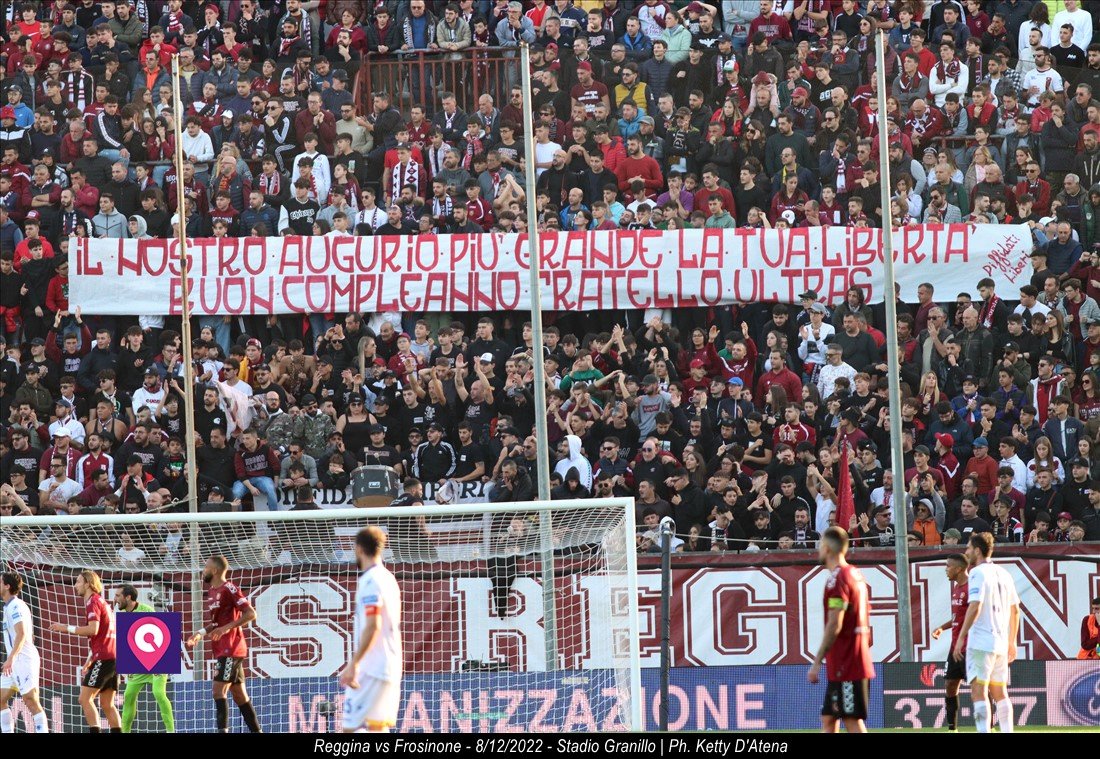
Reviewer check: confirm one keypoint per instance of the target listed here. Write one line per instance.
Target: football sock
(1004, 714)
(116, 729)
(40, 723)
(94, 730)
(981, 716)
(6, 723)
(952, 704)
(249, 714)
(221, 707)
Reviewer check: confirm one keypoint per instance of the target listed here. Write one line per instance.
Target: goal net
(520, 617)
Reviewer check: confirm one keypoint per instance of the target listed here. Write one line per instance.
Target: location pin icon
(149, 639)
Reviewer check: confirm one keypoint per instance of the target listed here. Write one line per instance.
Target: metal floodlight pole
(667, 528)
(188, 369)
(549, 610)
(897, 465)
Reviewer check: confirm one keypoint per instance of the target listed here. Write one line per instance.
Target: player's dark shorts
(101, 675)
(229, 669)
(955, 670)
(846, 700)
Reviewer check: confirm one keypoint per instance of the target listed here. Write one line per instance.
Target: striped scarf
(271, 185)
(409, 175)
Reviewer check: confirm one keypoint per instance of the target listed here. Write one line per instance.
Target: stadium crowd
(735, 420)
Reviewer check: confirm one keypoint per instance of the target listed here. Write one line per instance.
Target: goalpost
(473, 587)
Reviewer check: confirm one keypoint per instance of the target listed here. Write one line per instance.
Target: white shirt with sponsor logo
(379, 595)
(991, 586)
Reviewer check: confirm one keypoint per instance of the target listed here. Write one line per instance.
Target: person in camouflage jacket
(277, 428)
(312, 427)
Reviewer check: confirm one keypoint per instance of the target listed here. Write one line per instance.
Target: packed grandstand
(355, 119)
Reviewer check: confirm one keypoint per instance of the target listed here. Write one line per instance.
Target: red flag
(846, 500)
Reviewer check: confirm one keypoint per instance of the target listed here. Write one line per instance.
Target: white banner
(581, 271)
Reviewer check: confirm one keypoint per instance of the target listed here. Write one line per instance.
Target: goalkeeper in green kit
(126, 599)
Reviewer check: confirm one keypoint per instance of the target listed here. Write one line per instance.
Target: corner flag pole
(542, 447)
(893, 375)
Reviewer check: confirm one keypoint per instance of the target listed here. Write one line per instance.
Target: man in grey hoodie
(109, 223)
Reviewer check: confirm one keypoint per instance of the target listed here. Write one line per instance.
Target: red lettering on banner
(291, 260)
(654, 259)
(574, 256)
(634, 295)
(865, 285)
(668, 298)
(912, 239)
(958, 243)
(253, 264)
(590, 291)
(756, 284)
(84, 265)
(388, 252)
(127, 264)
(461, 249)
(864, 246)
(459, 297)
(409, 302)
(288, 283)
(208, 308)
(427, 253)
(601, 257)
(712, 253)
(798, 247)
(612, 277)
(313, 284)
(507, 280)
(838, 283)
(485, 263)
(342, 289)
(316, 254)
(435, 292)
(155, 258)
(561, 282)
(710, 288)
(364, 291)
(227, 257)
(345, 254)
(234, 295)
(175, 284)
(830, 257)
(261, 295)
(762, 249)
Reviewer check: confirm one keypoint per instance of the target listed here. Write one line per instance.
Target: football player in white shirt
(373, 676)
(988, 634)
(20, 671)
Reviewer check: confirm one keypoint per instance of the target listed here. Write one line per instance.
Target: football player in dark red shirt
(846, 647)
(229, 611)
(99, 670)
(956, 668)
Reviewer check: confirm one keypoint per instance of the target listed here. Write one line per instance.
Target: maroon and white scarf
(271, 185)
(907, 83)
(950, 71)
(400, 177)
(285, 44)
(988, 309)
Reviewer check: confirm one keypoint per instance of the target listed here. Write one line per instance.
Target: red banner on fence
(580, 271)
(727, 610)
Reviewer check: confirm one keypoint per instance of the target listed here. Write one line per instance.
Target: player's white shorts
(986, 667)
(24, 675)
(371, 706)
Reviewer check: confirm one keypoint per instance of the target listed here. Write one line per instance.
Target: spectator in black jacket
(513, 485)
